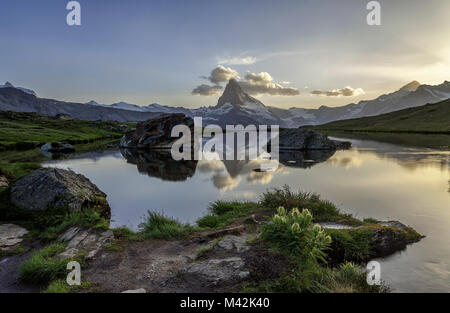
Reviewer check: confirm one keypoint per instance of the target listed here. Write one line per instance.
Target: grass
(350, 244)
(427, 119)
(159, 226)
(347, 278)
(156, 226)
(322, 210)
(88, 219)
(223, 213)
(28, 130)
(61, 286)
(44, 265)
(433, 141)
(13, 171)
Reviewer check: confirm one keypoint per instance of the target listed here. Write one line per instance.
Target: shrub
(294, 234)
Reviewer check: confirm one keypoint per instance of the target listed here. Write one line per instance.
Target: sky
(286, 53)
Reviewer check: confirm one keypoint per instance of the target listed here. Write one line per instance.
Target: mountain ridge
(233, 107)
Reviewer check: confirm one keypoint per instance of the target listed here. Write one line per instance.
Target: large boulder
(306, 139)
(50, 188)
(155, 133)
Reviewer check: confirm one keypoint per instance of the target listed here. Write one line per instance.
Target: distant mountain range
(233, 107)
(430, 118)
(16, 99)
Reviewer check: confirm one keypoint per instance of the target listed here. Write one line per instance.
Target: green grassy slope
(28, 130)
(430, 118)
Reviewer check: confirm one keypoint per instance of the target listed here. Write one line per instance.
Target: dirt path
(151, 265)
(9, 272)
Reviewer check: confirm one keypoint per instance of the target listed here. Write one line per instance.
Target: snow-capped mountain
(233, 107)
(236, 107)
(153, 108)
(411, 95)
(9, 85)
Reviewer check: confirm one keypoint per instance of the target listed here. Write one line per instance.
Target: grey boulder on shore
(50, 188)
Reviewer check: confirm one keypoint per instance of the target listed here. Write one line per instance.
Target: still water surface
(373, 179)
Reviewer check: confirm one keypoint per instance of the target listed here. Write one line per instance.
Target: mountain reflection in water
(160, 164)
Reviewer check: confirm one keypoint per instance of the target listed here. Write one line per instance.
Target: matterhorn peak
(233, 94)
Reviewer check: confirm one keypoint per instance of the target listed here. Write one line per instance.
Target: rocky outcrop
(392, 236)
(89, 242)
(155, 133)
(10, 236)
(4, 181)
(306, 139)
(382, 239)
(50, 188)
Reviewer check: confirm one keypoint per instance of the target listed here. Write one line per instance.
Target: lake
(373, 179)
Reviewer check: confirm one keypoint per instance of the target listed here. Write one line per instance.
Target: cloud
(222, 74)
(237, 60)
(344, 92)
(253, 83)
(206, 90)
(262, 83)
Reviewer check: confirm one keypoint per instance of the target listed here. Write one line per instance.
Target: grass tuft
(44, 265)
(159, 226)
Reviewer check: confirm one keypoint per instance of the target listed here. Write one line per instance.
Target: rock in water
(155, 133)
(56, 147)
(306, 139)
(50, 188)
(10, 236)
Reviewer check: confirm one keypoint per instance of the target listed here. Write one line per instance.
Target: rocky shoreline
(202, 259)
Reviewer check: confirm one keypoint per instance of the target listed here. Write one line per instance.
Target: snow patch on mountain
(9, 85)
